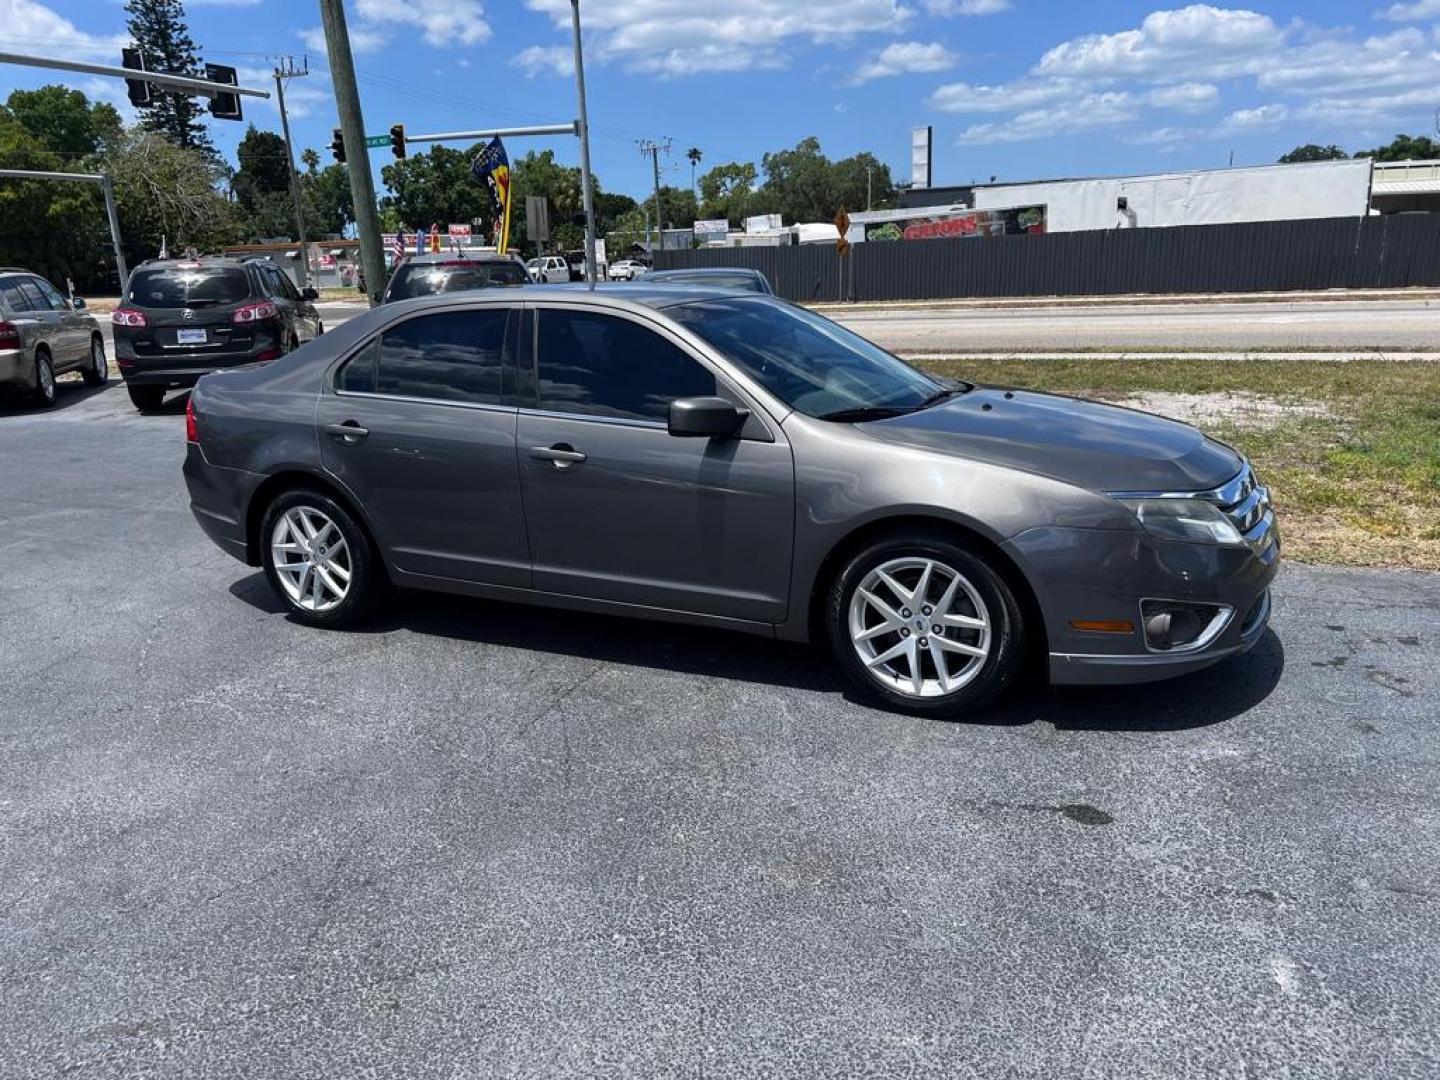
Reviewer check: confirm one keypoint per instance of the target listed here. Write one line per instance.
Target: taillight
(268, 355)
(9, 336)
(127, 317)
(192, 433)
(255, 312)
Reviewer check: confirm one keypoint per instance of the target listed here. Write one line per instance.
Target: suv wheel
(925, 626)
(98, 371)
(146, 398)
(318, 559)
(44, 395)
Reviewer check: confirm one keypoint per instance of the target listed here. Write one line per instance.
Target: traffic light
(337, 145)
(397, 140)
(224, 106)
(139, 89)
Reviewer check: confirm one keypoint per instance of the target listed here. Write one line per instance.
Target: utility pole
(868, 170)
(654, 149)
(357, 154)
(286, 69)
(587, 196)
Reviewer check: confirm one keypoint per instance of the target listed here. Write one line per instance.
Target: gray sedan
(709, 457)
(43, 335)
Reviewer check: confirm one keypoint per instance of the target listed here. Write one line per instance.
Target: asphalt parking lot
(477, 840)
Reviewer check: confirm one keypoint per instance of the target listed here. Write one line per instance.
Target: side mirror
(706, 418)
(309, 293)
(78, 303)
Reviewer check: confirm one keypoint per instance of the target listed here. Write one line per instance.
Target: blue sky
(1017, 89)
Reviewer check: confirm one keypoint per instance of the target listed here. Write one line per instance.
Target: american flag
(397, 246)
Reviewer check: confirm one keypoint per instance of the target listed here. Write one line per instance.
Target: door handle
(561, 455)
(350, 431)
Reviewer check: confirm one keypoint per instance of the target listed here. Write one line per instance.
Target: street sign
(373, 141)
(842, 226)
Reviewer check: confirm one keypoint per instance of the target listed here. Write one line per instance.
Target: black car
(181, 318)
(429, 275)
(740, 278)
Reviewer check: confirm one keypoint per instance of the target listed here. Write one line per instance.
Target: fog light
(1174, 625)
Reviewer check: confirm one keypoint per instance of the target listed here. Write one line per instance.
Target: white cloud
(545, 60)
(679, 37)
(1187, 97)
(224, 3)
(33, 28)
(966, 7)
(1260, 118)
(907, 57)
(362, 39)
(1199, 41)
(441, 22)
(967, 98)
(303, 97)
(1110, 109)
(1419, 9)
(1165, 136)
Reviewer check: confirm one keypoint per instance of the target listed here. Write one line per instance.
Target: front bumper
(1103, 576)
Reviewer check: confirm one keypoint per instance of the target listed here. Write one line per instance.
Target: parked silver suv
(723, 458)
(43, 335)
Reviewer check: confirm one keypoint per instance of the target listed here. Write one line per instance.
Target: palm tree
(694, 155)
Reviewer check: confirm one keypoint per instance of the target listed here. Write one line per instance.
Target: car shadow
(1213, 696)
(68, 393)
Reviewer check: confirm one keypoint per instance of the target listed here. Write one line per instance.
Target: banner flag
(492, 165)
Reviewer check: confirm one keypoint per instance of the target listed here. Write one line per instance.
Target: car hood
(1084, 443)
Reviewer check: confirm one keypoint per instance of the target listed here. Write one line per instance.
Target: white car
(549, 269)
(627, 270)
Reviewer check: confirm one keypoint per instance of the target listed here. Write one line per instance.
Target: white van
(549, 269)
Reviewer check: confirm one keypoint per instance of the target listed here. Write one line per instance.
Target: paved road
(475, 840)
(1398, 324)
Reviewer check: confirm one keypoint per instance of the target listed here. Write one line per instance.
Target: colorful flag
(397, 245)
(492, 165)
(434, 247)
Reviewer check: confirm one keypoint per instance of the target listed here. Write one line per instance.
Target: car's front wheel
(318, 559)
(925, 625)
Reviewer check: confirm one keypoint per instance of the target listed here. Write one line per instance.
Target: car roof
(705, 271)
(203, 261)
(460, 255)
(619, 295)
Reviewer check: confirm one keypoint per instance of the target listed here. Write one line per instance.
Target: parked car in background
(181, 318)
(627, 270)
(549, 269)
(728, 459)
(456, 271)
(43, 335)
(714, 277)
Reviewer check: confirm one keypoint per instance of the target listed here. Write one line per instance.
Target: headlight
(1193, 520)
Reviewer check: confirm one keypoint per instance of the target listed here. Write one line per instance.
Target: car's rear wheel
(146, 398)
(98, 371)
(318, 559)
(925, 625)
(44, 393)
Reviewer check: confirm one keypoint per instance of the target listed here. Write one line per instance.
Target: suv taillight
(9, 335)
(255, 312)
(192, 433)
(127, 317)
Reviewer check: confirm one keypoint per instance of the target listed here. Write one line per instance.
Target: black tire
(98, 373)
(43, 396)
(367, 580)
(146, 398)
(991, 677)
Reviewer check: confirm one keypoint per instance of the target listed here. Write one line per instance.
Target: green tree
(311, 160)
(853, 179)
(610, 207)
(261, 186)
(678, 208)
(799, 182)
(263, 161)
(329, 206)
(1404, 148)
(168, 191)
(64, 121)
(726, 191)
(436, 188)
(157, 27)
(693, 155)
(1313, 152)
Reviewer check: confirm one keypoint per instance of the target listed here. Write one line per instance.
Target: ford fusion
(725, 459)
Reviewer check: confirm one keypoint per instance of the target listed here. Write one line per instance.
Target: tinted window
(14, 299)
(607, 366)
(743, 282)
(34, 299)
(428, 280)
(52, 296)
(287, 287)
(179, 287)
(805, 360)
(454, 356)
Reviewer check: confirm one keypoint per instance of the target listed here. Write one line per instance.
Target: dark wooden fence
(1355, 253)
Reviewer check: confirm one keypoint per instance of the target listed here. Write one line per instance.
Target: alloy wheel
(312, 559)
(45, 378)
(919, 627)
(97, 361)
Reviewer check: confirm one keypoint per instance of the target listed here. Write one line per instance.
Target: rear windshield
(744, 282)
(179, 287)
(423, 280)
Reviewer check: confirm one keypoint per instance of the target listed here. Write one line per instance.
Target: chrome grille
(1246, 502)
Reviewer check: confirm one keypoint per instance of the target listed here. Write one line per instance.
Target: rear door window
(15, 300)
(449, 356)
(34, 298)
(182, 287)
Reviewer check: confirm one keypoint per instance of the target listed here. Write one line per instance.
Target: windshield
(808, 362)
(188, 287)
(429, 280)
(743, 282)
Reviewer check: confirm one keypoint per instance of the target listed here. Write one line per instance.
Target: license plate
(190, 337)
